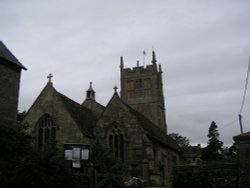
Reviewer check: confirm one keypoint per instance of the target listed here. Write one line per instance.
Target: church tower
(142, 89)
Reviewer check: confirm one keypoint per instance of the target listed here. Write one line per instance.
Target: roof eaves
(6, 54)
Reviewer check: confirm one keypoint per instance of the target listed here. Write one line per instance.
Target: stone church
(132, 124)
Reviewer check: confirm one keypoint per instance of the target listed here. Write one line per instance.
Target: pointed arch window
(46, 131)
(116, 143)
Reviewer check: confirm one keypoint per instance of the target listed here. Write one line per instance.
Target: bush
(23, 166)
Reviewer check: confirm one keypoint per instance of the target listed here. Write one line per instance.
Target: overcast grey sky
(203, 47)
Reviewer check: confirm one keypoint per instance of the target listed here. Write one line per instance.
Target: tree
(214, 149)
(103, 159)
(182, 141)
(21, 165)
(14, 143)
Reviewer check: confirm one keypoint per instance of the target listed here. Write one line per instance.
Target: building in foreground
(10, 74)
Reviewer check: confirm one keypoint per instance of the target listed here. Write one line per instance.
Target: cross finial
(50, 77)
(115, 88)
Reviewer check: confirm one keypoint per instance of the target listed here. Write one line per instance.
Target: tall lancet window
(116, 142)
(46, 131)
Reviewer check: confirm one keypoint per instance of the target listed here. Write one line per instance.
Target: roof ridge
(94, 102)
(113, 96)
(80, 114)
(71, 100)
(39, 95)
(6, 54)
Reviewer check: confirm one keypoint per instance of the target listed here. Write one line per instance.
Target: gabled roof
(94, 106)
(84, 117)
(153, 131)
(6, 54)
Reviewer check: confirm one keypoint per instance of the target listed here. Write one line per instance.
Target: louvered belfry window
(46, 131)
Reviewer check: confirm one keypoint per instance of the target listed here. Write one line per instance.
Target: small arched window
(46, 131)
(116, 143)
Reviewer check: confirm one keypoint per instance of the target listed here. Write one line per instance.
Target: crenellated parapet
(149, 69)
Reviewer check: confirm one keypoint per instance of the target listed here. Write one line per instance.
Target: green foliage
(182, 141)
(214, 149)
(229, 154)
(40, 169)
(219, 175)
(14, 143)
(23, 166)
(103, 159)
(232, 151)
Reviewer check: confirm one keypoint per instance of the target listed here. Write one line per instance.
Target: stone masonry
(10, 73)
(141, 88)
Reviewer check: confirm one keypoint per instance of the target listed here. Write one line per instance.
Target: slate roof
(6, 54)
(152, 130)
(85, 119)
(155, 132)
(96, 107)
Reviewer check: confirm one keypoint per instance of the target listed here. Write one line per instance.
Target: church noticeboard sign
(77, 153)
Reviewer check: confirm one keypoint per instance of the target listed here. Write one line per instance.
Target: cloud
(203, 48)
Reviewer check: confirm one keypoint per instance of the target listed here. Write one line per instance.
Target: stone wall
(9, 91)
(67, 131)
(216, 175)
(142, 89)
(118, 115)
(242, 144)
(144, 157)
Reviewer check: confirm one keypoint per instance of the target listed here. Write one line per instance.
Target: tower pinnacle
(121, 61)
(153, 57)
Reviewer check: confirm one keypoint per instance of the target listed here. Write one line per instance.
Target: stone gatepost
(242, 144)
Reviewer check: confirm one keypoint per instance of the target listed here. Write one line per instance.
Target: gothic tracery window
(139, 88)
(46, 131)
(116, 143)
